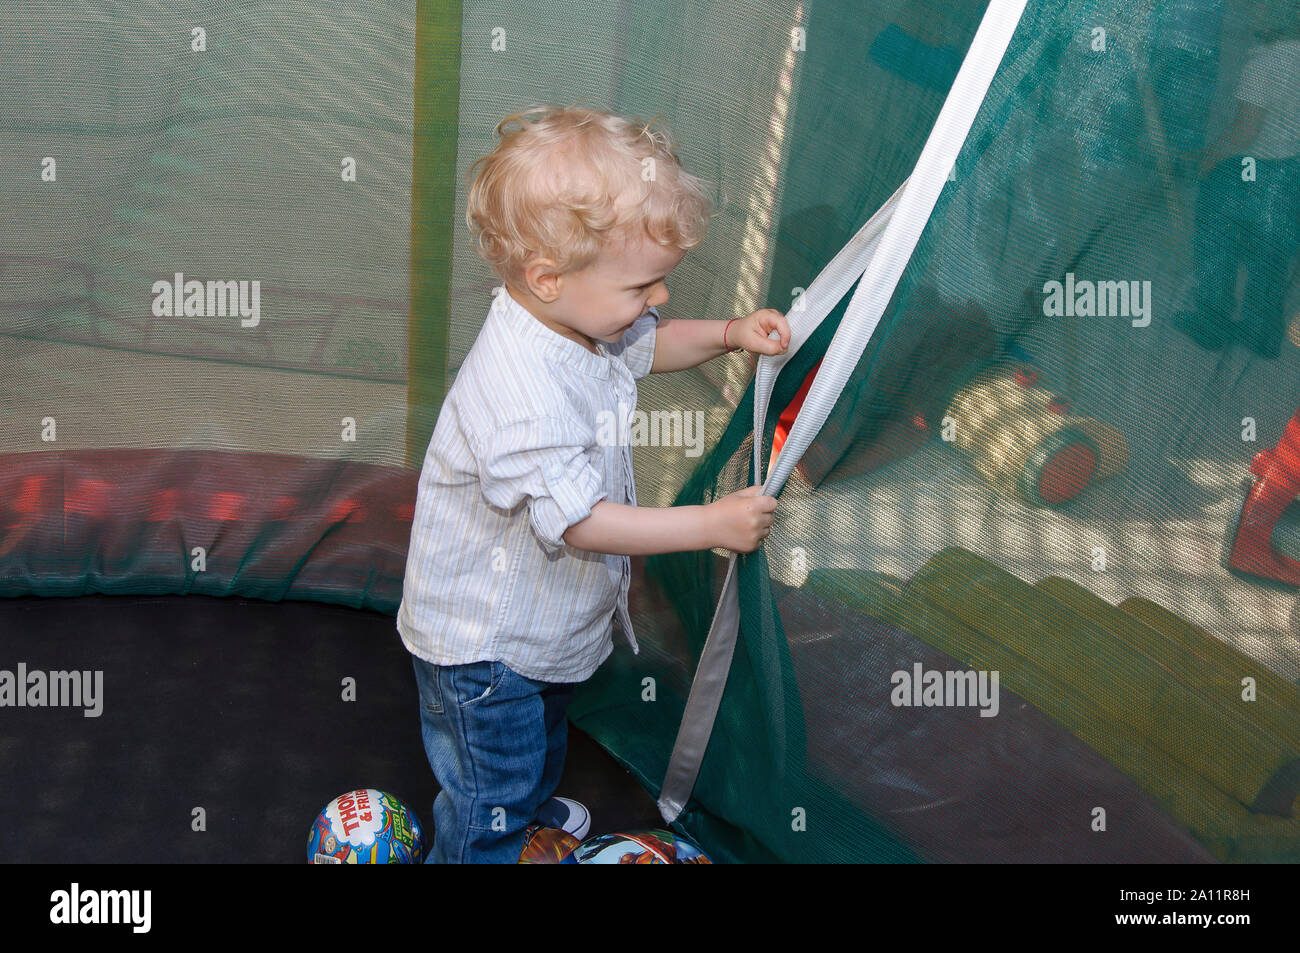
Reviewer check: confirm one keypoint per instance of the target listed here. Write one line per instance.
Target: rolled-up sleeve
(636, 348)
(547, 463)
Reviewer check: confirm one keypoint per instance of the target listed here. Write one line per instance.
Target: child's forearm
(680, 344)
(622, 530)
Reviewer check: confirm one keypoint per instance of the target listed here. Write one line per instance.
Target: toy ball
(548, 845)
(366, 827)
(640, 847)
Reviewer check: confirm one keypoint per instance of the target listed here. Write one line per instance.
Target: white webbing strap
(812, 308)
(878, 253)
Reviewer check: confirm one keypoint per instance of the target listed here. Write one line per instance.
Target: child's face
(603, 300)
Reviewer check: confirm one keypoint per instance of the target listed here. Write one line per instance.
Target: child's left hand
(751, 332)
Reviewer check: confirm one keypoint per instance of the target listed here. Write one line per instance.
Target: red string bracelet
(724, 336)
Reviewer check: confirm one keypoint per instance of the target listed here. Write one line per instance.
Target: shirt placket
(628, 392)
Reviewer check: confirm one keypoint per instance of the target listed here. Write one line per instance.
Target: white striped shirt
(521, 452)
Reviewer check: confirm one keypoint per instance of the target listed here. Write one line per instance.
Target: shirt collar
(571, 353)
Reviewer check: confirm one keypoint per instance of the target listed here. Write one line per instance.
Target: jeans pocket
(483, 678)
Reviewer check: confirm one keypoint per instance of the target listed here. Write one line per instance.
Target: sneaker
(566, 814)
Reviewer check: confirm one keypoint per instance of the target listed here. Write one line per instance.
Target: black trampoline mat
(234, 706)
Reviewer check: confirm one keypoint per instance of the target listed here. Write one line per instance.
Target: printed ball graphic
(547, 845)
(366, 827)
(639, 847)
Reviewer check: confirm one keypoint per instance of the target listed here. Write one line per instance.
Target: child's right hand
(742, 520)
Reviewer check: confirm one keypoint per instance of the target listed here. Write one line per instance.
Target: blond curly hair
(571, 181)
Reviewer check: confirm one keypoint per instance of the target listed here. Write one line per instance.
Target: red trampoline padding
(213, 522)
(786, 420)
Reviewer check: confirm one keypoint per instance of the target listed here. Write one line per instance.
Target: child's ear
(543, 281)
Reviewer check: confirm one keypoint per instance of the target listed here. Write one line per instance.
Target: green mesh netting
(1069, 456)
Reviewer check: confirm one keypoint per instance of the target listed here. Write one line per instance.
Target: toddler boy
(525, 517)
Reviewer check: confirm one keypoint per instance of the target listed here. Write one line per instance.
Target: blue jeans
(496, 743)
